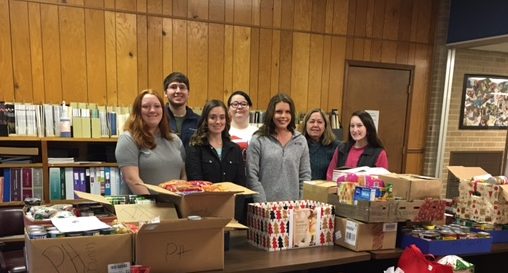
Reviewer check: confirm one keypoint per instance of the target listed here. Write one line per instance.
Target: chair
(12, 256)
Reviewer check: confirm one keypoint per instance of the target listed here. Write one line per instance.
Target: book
(107, 181)
(37, 183)
(20, 118)
(3, 119)
(49, 120)
(16, 184)
(11, 118)
(27, 183)
(7, 185)
(54, 184)
(1, 189)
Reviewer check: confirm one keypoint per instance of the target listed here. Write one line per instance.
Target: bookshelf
(87, 152)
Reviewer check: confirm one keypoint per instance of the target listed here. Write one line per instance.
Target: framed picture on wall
(484, 102)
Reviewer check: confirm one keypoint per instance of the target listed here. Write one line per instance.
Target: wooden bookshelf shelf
(20, 165)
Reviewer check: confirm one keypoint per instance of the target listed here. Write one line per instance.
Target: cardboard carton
(206, 204)
(78, 254)
(413, 187)
(457, 174)
(428, 210)
(319, 190)
(368, 211)
(360, 236)
(182, 245)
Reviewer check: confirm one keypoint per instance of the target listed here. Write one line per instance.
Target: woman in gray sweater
(278, 155)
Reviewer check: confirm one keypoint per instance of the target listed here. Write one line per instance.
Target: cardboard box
(428, 210)
(206, 204)
(457, 174)
(413, 187)
(368, 211)
(182, 245)
(319, 190)
(448, 247)
(275, 226)
(360, 236)
(78, 254)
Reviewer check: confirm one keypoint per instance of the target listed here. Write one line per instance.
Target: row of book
(16, 184)
(257, 117)
(104, 181)
(87, 120)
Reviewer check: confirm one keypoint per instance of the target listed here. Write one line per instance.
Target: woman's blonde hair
(328, 137)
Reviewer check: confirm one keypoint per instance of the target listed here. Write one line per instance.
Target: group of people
(163, 142)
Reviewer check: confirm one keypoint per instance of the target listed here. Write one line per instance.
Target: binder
(7, 185)
(54, 184)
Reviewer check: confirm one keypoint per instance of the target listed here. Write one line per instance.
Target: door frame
(409, 68)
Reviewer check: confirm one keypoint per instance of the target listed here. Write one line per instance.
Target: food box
(78, 254)
(368, 211)
(275, 226)
(360, 236)
(319, 190)
(428, 210)
(182, 245)
(206, 204)
(413, 187)
(448, 247)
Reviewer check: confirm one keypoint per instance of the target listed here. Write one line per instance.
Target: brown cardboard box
(360, 236)
(182, 245)
(457, 174)
(368, 211)
(319, 190)
(78, 254)
(413, 187)
(207, 204)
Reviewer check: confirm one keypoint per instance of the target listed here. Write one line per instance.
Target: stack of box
(277, 226)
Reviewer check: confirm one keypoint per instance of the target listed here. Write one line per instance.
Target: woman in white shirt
(241, 130)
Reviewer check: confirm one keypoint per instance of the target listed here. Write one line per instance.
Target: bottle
(65, 122)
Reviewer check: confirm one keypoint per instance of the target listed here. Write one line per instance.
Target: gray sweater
(276, 172)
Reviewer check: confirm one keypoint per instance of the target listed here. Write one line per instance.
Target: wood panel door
(383, 89)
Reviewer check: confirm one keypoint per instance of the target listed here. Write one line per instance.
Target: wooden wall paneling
(358, 48)
(391, 19)
(94, 3)
(126, 55)
(340, 17)
(300, 70)
(243, 12)
(111, 64)
(402, 53)
(414, 162)
(256, 5)
(285, 61)
(378, 18)
(318, 17)
(351, 18)
(74, 2)
(51, 54)
(254, 63)
(350, 44)
(367, 49)
(109, 4)
(198, 62)
(228, 58)
(369, 18)
(329, 16)
(167, 50)
(277, 13)
(361, 18)
(198, 9)
(241, 57)
(229, 11)
(406, 11)
(337, 62)
(141, 6)
(287, 14)
(6, 73)
(155, 56)
(154, 7)
(180, 8)
(142, 50)
(265, 69)
(303, 15)
(22, 67)
(424, 23)
(95, 56)
(275, 71)
(167, 7)
(376, 50)
(389, 52)
(325, 74)
(216, 58)
(315, 71)
(72, 39)
(180, 46)
(216, 10)
(126, 5)
(266, 13)
(34, 23)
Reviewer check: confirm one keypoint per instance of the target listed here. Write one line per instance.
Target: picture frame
(484, 102)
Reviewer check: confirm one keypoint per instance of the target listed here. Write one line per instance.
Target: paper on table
(75, 224)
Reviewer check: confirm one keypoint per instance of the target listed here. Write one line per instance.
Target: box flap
(465, 173)
(183, 225)
(504, 191)
(160, 190)
(230, 188)
(145, 212)
(234, 224)
(92, 197)
(321, 183)
(240, 190)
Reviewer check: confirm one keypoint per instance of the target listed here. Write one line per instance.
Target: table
(243, 257)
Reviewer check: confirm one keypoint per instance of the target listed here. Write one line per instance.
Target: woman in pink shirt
(363, 147)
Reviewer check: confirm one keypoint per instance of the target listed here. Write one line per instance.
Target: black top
(320, 157)
(368, 158)
(203, 163)
(189, 125)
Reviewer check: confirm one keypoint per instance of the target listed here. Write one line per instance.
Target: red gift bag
(413, 260)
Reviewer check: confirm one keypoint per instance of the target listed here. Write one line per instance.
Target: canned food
(73, 234)
(91, 233)
(55, 234)
(106, 231)
(38, 234)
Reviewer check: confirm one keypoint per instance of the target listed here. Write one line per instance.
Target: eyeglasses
(238, 104)
(175, 86)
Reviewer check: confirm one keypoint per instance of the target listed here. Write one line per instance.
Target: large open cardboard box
(207, 204)
(458, 174)
(360, 236)
(320, 190)
(182, 245)
(413, 187)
